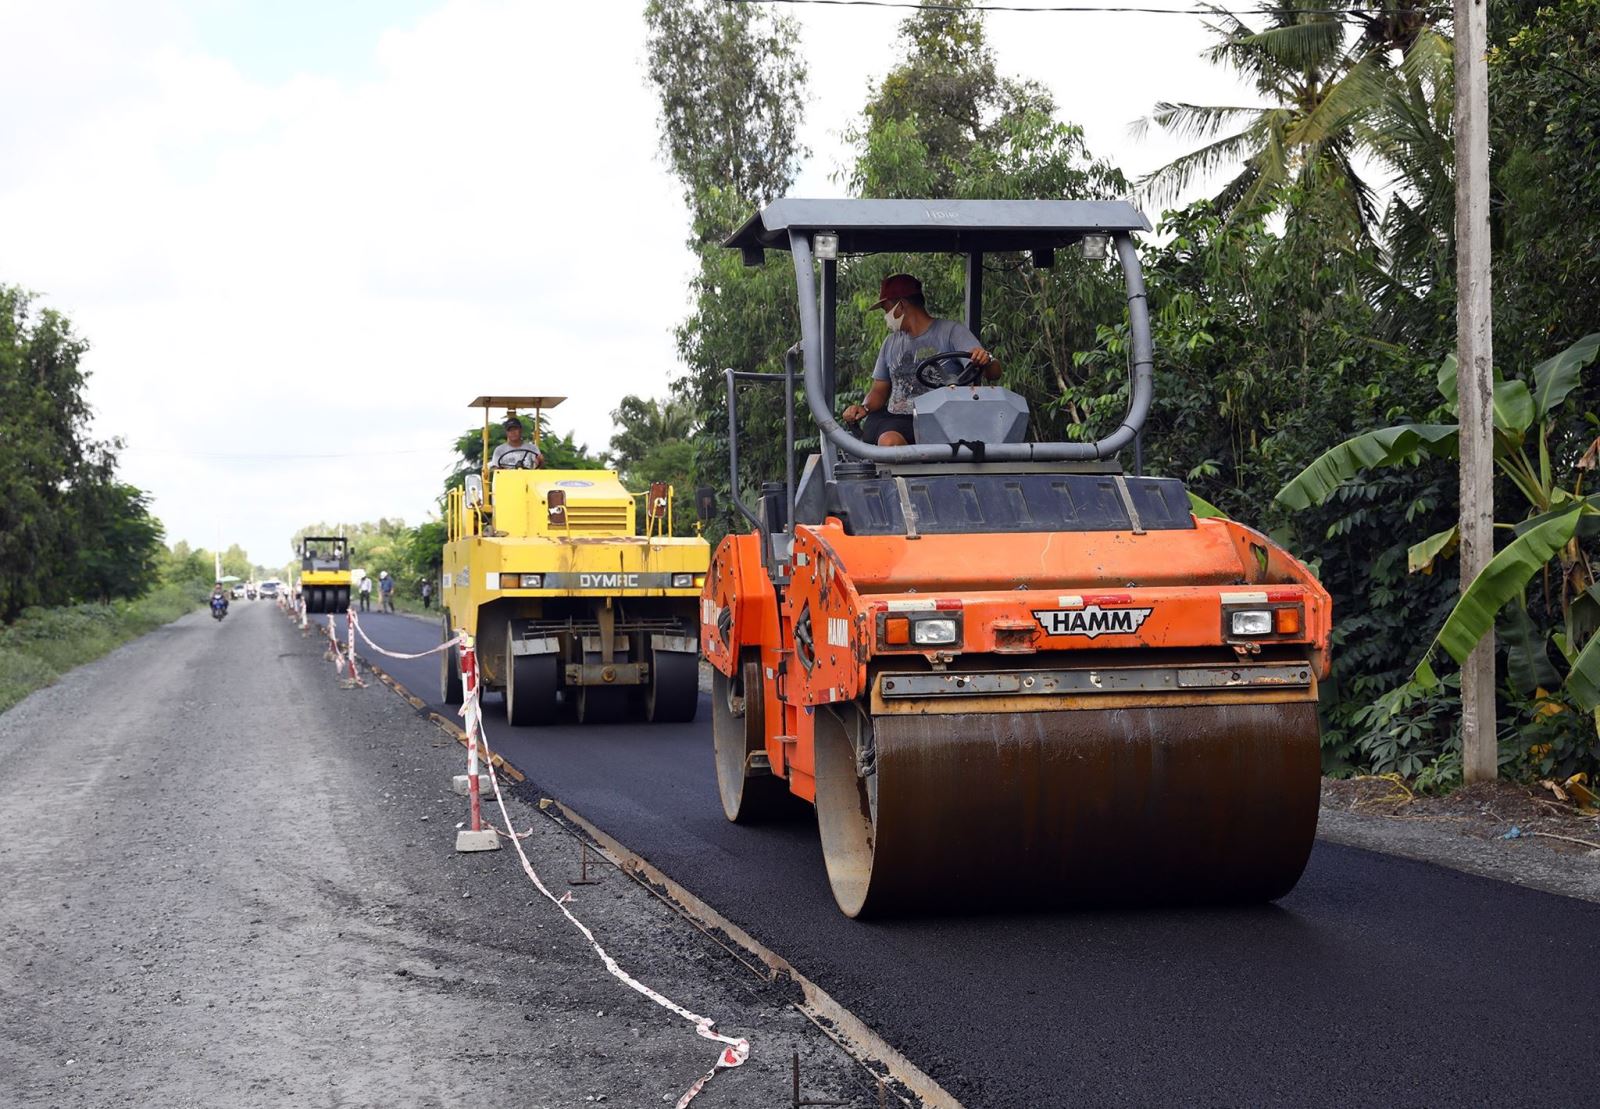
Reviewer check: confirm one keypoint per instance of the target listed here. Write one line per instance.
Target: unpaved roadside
(1497, 830)
(225, 880)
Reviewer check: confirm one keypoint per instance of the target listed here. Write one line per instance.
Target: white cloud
(338, 261)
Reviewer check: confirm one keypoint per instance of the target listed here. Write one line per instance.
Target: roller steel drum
(1168, 803)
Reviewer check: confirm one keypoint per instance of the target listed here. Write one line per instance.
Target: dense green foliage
(1291, 312)
(69, 530)
(44, 643)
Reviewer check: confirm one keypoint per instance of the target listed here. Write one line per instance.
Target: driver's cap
(511, 422)
(897, 286)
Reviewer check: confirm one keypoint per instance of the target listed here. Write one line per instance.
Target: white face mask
(894, 318)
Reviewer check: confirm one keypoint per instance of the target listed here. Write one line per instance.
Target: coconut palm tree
(1316, 82)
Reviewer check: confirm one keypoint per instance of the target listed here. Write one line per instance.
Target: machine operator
(913, 336)
(514, 454)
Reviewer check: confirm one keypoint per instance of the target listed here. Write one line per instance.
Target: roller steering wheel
(519, 458)
(970, 374)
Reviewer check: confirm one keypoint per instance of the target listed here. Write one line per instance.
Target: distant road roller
(1005, 671)
(325, 573)
(572, 610)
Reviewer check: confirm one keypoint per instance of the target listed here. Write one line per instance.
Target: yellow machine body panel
(325, 577)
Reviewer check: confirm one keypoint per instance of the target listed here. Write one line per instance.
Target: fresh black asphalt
(1378, 981)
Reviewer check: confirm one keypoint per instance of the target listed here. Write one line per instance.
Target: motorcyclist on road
(219, 597)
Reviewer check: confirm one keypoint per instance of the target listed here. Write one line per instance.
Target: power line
(912, 5)
(273, 457)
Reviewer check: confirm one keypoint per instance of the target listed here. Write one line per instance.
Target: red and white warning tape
(362, 632)
(344, 656)
(735, 1049)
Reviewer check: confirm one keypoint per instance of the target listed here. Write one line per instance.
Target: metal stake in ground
(476, 837)
(799, 1101)
(583, 878)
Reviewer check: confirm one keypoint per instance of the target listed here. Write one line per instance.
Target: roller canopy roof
(497, 400)
(957, 226)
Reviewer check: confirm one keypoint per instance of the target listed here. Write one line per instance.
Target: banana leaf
(1528, 662)
(1204, 509)
(1420, 556)
(1558, 375)
(1384, 447)
(1513, 408)
(1583, 680)
(1446, 380)
(1503, 580)
(1588, 527)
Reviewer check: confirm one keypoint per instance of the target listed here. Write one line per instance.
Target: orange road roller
(1004, 672)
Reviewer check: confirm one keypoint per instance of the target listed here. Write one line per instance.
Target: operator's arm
(876, 398)
(963, 339)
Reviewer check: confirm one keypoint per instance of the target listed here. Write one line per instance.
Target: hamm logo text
(1091, 621)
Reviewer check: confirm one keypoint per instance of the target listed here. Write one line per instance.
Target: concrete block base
(486, 840)
(462, 783)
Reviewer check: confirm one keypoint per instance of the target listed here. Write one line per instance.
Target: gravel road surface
(1378, 981)
(226, 881)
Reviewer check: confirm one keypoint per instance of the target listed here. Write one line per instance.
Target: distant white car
(268, 588)
(238, 592)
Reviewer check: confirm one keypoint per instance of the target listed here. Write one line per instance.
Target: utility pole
(1475, 360)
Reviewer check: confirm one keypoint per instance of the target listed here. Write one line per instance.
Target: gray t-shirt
(900, 353)
(521, 461)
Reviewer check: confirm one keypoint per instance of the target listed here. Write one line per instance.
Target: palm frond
(1164, 184)
(1198, 121)
(1315, 43)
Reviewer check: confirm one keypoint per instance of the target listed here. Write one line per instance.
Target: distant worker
(386, 587)
(366, 594)
(913, 336)
(427, 593)
(514, 454)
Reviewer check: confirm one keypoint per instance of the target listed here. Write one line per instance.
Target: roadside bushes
(44, 643)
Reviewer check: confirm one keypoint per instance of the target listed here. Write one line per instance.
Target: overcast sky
(307, 227)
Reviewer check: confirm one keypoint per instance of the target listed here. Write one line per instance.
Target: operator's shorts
(876, 423)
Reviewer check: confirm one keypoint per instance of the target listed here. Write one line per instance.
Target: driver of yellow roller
(514, 454)
(913, 336)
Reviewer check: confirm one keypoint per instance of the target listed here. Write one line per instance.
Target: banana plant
(1556, 516)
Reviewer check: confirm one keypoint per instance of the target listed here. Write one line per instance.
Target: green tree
(68, 529)
(943, 107)
(561, 452)
(731, 83)
(731, 86)
(1316, 83)
(1544, 70)
(119, 548)
(652, 443)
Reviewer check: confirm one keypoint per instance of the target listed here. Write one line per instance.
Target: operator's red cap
(897, 286)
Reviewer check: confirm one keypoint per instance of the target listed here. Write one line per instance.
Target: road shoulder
(1473, 833)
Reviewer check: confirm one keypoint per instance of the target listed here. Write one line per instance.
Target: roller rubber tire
(673, 694)
(531, 683)
(597, 704)
(746, 798)
(450, 691)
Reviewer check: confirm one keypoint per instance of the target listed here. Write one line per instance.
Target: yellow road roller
(572, 607)
(325, 573)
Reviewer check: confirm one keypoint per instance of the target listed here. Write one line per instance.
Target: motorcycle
(219, 607)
